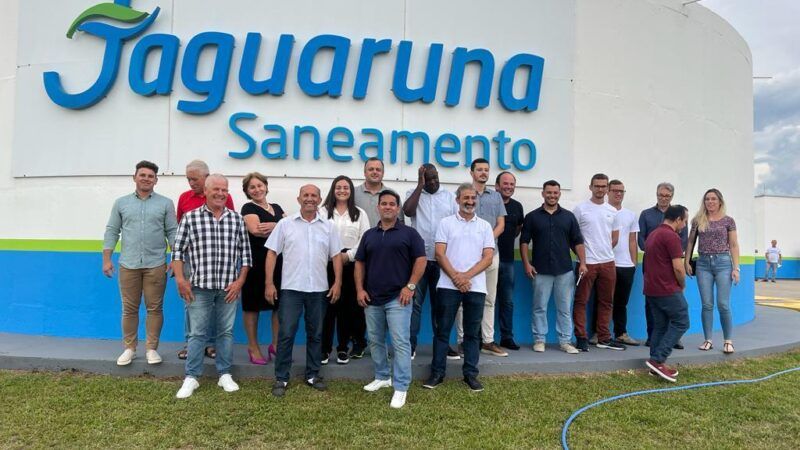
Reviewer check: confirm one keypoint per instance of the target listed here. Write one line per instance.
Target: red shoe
(662, 370)
(256, 361)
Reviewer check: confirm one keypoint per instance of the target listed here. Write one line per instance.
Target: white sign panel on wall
(307, 89)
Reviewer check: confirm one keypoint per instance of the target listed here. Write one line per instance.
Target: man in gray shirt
(366, 195)
(147, 223)
(491, 209)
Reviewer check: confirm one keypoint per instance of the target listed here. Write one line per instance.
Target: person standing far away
(389, 263)
(427, 204)
(464, 249)
(214, 238)
(774, 259)
(625, 258)
(505, 184)
(490, 208)
(554, 231)
(649, 220)
(664, 282)
(196, 173)
(366, 196)
(600, 230)
(307, 241)
(146, 221)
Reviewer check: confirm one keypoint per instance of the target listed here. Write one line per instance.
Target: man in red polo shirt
(664, 281)
(196, 173)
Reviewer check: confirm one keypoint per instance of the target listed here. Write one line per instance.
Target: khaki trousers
(132, 284)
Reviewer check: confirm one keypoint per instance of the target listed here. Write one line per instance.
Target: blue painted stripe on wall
(65, 294)
(789, 270)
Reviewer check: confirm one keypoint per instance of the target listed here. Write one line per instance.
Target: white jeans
(487, 323)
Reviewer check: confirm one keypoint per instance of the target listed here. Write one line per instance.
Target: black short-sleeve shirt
(505, 242)
(553, 236)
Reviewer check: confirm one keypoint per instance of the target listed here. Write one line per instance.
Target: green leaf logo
(107, 11)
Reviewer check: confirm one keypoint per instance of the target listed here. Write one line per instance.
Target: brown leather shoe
(493, 349)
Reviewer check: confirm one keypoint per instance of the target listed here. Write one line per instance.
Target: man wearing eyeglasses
(649, 220)
(625, 255)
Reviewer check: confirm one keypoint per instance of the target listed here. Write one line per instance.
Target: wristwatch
(411, 286)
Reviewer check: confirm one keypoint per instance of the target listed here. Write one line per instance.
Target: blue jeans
(397, 319)
(207, 309)
(292, 305)
(670, 321)
(715, 270)
(505, 300)
(562, 287)
(426, 284)
(448, 301)
(771, 267)
(212, 333)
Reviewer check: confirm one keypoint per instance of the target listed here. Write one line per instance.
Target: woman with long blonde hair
(717, 265)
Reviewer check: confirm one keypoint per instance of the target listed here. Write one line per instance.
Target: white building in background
(642, 90)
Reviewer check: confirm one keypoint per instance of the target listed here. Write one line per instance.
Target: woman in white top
(351, 222)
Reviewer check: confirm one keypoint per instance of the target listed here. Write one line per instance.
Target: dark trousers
(622, 292)
(426, 285)
(670, 321)
(604, 277)
(448, 301)
(291, 307)
(504, 301)
(342, 315)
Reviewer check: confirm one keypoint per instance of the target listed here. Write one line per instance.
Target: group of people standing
(352, 268)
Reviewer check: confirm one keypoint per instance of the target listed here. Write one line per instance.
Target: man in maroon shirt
(664, 282)
(196, 173)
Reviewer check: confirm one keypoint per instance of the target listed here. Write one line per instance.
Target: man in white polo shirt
(464, 250)
(600, 230)
(307, 241)
(625, 256)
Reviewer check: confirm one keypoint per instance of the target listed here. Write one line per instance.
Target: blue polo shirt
(388, 256)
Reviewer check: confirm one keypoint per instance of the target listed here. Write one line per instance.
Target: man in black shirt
(505, 184)
(554, 232)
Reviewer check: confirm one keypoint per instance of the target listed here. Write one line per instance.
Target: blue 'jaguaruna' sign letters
(214, 87)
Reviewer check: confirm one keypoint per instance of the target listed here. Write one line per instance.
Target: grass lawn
(41, 410)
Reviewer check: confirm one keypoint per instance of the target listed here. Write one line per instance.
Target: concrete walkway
(774, 330)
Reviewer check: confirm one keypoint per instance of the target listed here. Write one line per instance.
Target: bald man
(307, 242)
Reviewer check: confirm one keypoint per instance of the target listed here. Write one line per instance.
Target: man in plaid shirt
(214, 240)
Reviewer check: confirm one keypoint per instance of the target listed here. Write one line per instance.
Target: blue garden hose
(574, 415)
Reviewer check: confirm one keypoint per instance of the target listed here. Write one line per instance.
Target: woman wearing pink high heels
(260, 218)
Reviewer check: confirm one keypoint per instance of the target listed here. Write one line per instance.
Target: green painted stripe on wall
(52, 245)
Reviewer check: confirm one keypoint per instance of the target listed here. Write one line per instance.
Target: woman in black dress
(260, 218)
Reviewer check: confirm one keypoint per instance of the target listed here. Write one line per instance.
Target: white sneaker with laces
(398, 399)
(569, 348)
(188, 388)
(378, 384)
(153, 357)
(226, 382)
(126, 357)
(538, 347)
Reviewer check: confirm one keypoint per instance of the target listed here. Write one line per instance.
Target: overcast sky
(772, 29)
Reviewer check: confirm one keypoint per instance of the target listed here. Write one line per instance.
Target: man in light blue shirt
(146, 221)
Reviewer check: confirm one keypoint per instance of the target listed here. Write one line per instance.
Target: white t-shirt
(772, 254)
(627, 225)
(465, 243)
(596, 223)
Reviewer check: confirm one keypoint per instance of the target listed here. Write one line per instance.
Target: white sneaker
(188, 387)
(126, 357)
(569, 348)
(226, 382)
(398, 399)
(153, 357)
(538, 347)
(377, 384)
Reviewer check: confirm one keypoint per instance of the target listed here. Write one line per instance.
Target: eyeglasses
(617, 191)
(664, 196)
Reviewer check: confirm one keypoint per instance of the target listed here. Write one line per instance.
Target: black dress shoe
(647, 343)
(678, 346)
(317, 383)
(433, 381)
(509, 344)
(474, 384)
(279, 388)
(582, 344)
